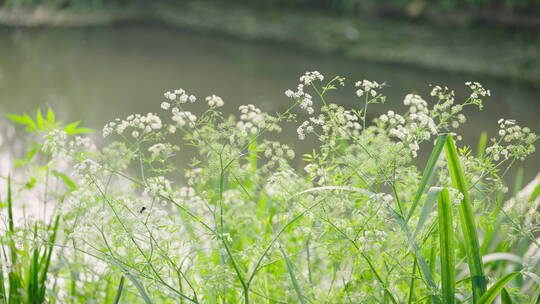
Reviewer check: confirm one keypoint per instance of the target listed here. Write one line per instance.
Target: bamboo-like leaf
(496, 289)
(39, 120)
(466, 218)
(50, 116)
(290, 269)
(24, 119)
(428, 172)
(446, 237)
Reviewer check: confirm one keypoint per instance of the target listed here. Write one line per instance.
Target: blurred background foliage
(408, 8)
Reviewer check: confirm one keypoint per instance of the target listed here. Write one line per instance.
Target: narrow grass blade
(431, 199)
(119, 291)
(505, 297)
(496, 289)
(294, 281)
(46, 260)
(132, 278)
(411, 284)
(468, 226)
(518, 182)
(386, 291)
(33, 273)
(13, 277)
(428, 172)
(482, 142)
(446, 237)
(422, 264)
(535, 193)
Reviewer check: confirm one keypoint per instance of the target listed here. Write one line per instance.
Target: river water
(98, 74)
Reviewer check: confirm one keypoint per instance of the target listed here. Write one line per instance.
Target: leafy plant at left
(28, 241)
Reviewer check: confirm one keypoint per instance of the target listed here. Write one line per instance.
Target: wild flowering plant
(359, 223)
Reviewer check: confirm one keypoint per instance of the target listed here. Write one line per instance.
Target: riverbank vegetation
(360, 219)
(509, 12)
(431, 42)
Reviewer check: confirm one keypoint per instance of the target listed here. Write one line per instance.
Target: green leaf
(132, 278)
(535, 193)
(505, 297)
(446, 239)
(466, 218)
(496, 289)
(72, 126)
(119, 291)
(23, 120)
(428, 172)
(39, 120)
(50, 116)
(66, 179)
(290, 269)
(431, 198)
(72, 129)
(481, 145)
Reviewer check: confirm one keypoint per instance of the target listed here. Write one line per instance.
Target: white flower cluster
(214, 101)
(180, 96)
(455, 196)
(367, 87)
(414, 127)
(372, 239)
(514, 142)
(138, 123)
(87, 170)
(280, 182)
(161, 151)
(448, 113)
(317, 173)
(55, 142)
(308, 126)
(186, 192)
(309, 77)
(421, 122)
(477, 90)
(157, 186)
(392, 118)
(183, 118)
(276, 153)
(347, 122)
(305, 99)
(251, 119)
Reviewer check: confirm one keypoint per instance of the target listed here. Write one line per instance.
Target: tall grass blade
(428, 172)
(13, 277)
(446, 237)
(290, 269)
(132, 278)
(119, 291)
(496, 289)
(482, 142)
(46, 259)
(468, 226)
(422, 264)
(431, 199)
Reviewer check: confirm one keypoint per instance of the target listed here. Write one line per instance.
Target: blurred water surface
(98, 74)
